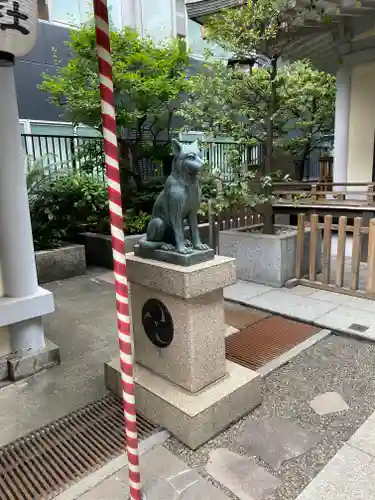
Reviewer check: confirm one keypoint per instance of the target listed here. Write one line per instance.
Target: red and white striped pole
(118, 241)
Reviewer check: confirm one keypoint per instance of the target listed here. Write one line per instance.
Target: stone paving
(84, 327)
(329, 310)
(311, 406)
(164, 477)
(283, 450)
(285, 436)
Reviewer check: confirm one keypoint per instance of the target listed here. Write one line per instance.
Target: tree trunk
(301, 163)
(266, 210)
(271, 112)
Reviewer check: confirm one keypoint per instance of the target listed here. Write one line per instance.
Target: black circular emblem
(157, 322)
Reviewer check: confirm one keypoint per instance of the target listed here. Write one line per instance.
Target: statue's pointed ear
(176, 147)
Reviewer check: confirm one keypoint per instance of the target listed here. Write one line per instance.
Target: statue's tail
(153, 245)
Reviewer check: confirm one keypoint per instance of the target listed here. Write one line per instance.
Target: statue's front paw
(188, 243)
(167, 247)
(185, 250)
(201, 246)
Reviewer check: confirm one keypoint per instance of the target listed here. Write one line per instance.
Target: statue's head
(187, 163)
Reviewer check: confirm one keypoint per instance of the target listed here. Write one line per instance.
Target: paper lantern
(18, 26)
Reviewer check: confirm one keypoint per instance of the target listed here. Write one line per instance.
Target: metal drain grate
(47, 461)
(264, 341)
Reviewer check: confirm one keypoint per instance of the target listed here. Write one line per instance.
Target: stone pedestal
(184, 382)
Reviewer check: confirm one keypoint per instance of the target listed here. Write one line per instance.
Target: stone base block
(21, 367)
(196, 356)
(186, 282)
(192, 418)
(60, 263)
(3, 368)
(267, 259)
(172, 257)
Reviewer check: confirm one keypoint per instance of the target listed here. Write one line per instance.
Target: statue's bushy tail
(153, 245)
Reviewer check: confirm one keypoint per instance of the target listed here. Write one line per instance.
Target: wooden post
(327, 249)
(300, 245)
(340, 196)
(340, 258)
(211, 223)
(313, 244)
(314, 196)
(356, 254)
(371, 258)
(370, 194)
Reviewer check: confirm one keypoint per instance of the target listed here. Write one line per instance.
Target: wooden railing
(326, 192)
(231, 218)
(353, 275)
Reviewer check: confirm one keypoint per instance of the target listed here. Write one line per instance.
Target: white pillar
(342, 110)
(19, 274)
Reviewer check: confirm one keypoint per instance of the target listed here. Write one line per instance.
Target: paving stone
(184, 479)
(202, 490)
(331, 365)
(303, 291)
(364, 438)
(108, 277)
(329, 402)
(343, 300)
(111, 488)
(160, 489)
(241, 475)
(289, 304)
(350, 475)
(243, 290)
(343, 317)
(276, 440)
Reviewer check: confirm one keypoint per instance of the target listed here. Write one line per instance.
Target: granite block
(196, 356)
(21, 367)
(268, 259)
(185, 282)
(348, 476)
(295, 306)
(60, 263)
(192, 418)
(276, 440)
(364, 438)
(241, 475)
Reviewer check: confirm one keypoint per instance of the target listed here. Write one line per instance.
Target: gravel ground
(337, 363)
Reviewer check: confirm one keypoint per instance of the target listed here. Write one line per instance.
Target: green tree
(265, 27)
(224, 103)
(234, 104)
(148, 82)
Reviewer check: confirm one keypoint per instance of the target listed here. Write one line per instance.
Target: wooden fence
(325, 192)
(231, 218)
(352, 275)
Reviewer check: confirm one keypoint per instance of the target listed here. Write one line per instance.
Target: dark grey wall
(32, 102)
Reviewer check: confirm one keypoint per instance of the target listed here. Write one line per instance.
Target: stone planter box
(266, 259)
(60, 263)
(98, 247)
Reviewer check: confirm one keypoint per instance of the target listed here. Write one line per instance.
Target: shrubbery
(64, 206)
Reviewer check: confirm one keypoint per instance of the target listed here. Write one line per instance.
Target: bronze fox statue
(177, 203)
